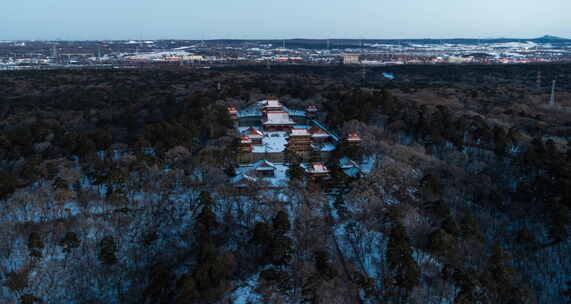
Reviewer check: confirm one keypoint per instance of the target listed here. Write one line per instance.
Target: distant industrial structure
(351, 59)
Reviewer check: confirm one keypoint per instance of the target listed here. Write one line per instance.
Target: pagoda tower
(245, 150)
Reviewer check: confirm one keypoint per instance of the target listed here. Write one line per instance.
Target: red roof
(245, 140)
(311, 108)
(354, 137)
(318, 168)
(318, 132)
(253, 132)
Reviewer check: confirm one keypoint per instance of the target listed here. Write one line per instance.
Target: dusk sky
(257, 19)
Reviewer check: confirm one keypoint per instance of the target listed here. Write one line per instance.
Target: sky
(283, 19)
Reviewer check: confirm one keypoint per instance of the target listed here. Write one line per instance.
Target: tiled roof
(354, 137)
(299, 132)
(253, 133)
(278, 118)
(273, 103)
(245, 140)
(318, 132)
(318, 168)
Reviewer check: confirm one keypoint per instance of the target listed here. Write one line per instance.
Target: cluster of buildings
(225, 52)
(273, 137)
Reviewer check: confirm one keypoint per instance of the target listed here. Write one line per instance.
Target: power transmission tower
(54, 53)
(538, 81)
(552, 98)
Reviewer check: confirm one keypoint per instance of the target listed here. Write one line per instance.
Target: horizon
(257, 20)
(546, 36)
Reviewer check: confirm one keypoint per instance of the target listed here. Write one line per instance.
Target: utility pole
(552, 98)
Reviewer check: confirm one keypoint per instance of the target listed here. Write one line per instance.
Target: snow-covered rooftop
(353, 169)
(273, 103)
(264, 165)
(245, 140)
(316, 168)
(318, 132)
(346, 163)
(321, 126)
(299, 132)
(324, 147)
(248, 173)
(278, 118)
(354, 137)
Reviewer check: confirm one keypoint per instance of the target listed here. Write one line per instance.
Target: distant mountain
(549, 37)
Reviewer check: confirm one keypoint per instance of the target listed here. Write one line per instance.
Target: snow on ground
(272, 142)
(324, 147)
(279, 179)
(528, 44)
(389, 76)
(244, 294)
(156, 55)
(368, 164)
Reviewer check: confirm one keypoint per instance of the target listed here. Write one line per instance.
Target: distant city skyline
(257, 19)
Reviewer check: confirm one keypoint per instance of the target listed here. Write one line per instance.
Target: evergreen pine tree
(107, 251)
(281, 223)
(35, 244)
(405, 271)
(69, 242)
(567, 292)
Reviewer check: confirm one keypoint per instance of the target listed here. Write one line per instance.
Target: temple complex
(272, 136)
(275, 133)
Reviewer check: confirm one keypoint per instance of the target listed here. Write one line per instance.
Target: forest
(114, 187)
